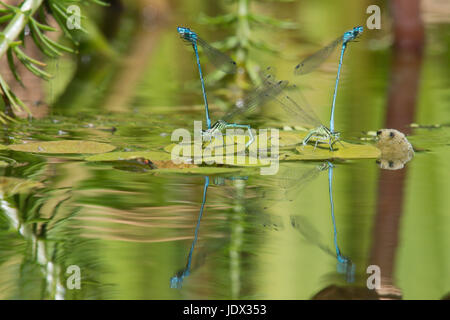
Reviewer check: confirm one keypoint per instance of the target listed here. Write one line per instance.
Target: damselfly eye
(378, 132)
(391, 164)
(391, 134)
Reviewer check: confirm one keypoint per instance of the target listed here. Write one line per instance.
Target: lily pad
(164, 164)
(344, 151)
(63, 147)
(291, 138)
(117, 156)
(204, 170)
(229, 145)
(237, 160)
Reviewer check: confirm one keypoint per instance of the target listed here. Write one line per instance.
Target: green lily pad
(207, 170)
(117, 156)
(230, 145)
(164, 164)
(344, 151)
(237, 160)
(291, 138)
(63, 146)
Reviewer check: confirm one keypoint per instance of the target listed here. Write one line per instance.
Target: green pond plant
(241, 22)
(30, 17)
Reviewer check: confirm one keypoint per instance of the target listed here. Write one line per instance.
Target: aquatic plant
(30, 17)
(243, 21)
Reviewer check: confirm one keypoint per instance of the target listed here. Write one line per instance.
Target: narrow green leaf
(12, 67)
(63, 27)
(43, 26)
(58, 45)
(101, 3)
(43, 49)
(41, 36)
(22, 55)
(5, 18)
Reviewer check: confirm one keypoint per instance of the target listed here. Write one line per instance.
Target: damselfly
(306, 117)
(316, 59)
(300, 223)
(219, 59)
(176, 281)
(269, 90)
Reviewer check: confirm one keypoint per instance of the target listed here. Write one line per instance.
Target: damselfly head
(187, 34)
(182, 30)
(351, 35)
(357, 31)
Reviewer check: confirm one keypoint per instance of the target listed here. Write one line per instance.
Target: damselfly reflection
(177, 280)
(300, 223)
(290, 181)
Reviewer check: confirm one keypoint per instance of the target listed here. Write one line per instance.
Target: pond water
(139, 234)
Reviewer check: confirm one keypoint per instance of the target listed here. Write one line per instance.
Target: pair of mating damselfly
(259, 96)
(271, 88)
(313, 62)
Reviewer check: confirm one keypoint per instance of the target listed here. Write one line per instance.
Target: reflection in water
(395, 149)
(290, 180)
(177, 280)
(401, 106)
(41, 251)
(345, 265)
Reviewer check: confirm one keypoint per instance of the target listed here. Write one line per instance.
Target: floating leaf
(204, 170)
(230, 145)
(291, 138)
(117, 156)
(63, 146)
(344, 151)
(164, 164)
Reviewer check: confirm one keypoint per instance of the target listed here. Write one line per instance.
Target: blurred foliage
(241, 22)
(31, 17)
